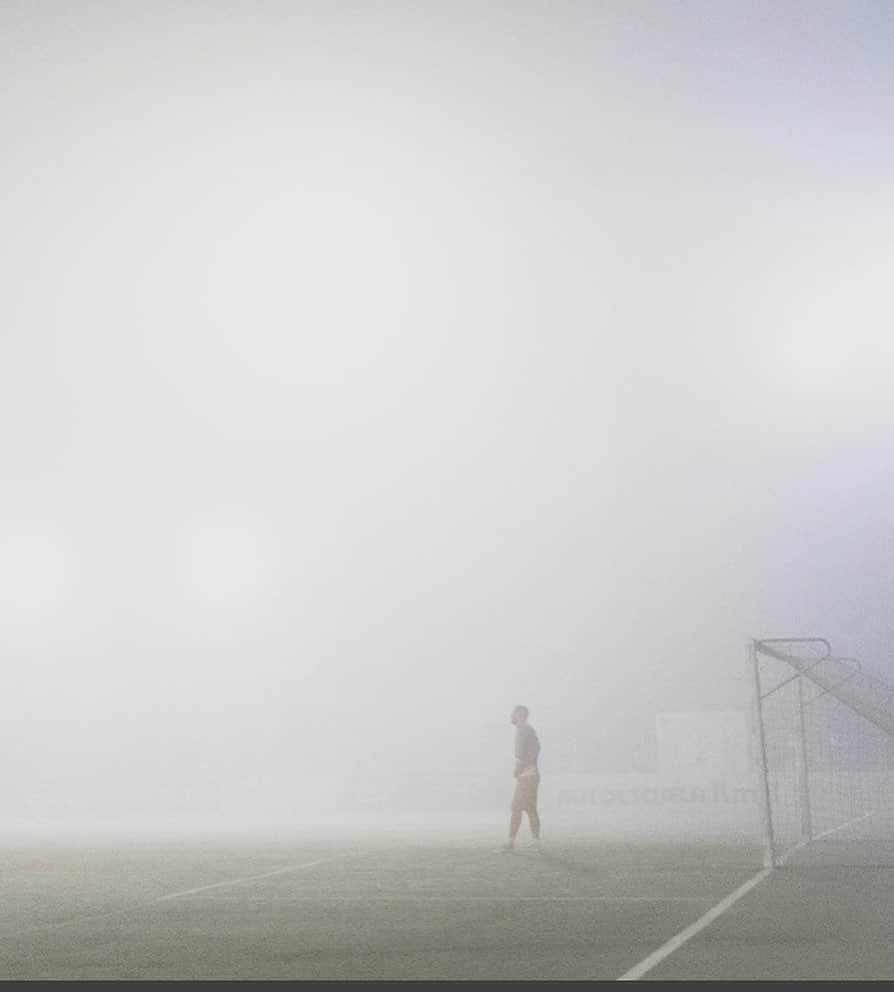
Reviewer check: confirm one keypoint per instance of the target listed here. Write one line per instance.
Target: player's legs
(534, 820)
(524, 800)
(533, 815)
(519, 805)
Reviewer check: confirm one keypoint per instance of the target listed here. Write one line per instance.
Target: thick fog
(369, 368)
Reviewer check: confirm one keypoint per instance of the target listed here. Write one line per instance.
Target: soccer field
(583, 910)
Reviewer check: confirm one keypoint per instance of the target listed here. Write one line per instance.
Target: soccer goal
(824, 742)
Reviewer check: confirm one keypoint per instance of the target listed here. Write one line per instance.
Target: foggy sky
(366, 369)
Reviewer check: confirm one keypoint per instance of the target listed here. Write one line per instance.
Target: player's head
(519, 715)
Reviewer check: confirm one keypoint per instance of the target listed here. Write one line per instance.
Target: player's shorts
(525, 796)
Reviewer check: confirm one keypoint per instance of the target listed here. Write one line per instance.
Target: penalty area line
(361, 897)
(249, 878)
(124, 910)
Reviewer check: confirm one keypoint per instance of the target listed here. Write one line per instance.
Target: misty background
(369, 368)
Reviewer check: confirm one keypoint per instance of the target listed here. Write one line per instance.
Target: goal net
(824, 735)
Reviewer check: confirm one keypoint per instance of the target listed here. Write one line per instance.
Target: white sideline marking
(675, 943)
(249, 878)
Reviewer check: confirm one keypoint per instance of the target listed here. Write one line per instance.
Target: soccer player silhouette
(527, 779)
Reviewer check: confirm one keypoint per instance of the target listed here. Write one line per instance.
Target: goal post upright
(822, 748)
(803, 768)
(761, 742)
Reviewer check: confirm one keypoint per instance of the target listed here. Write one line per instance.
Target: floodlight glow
(844, 329)
(303, 289)
(295, 318)
(226, 559)
(35, 572)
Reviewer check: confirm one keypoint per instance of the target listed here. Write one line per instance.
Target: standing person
(527, 778)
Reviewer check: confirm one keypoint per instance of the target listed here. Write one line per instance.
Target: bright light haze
(367, 369)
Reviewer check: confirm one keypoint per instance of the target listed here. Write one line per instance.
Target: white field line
(40, 927)
(248, 878)
(826, 833)
(676, 942)
(844, 826)
(404, 897)
(43, 927)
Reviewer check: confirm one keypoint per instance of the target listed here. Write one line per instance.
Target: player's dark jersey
(527, 748)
